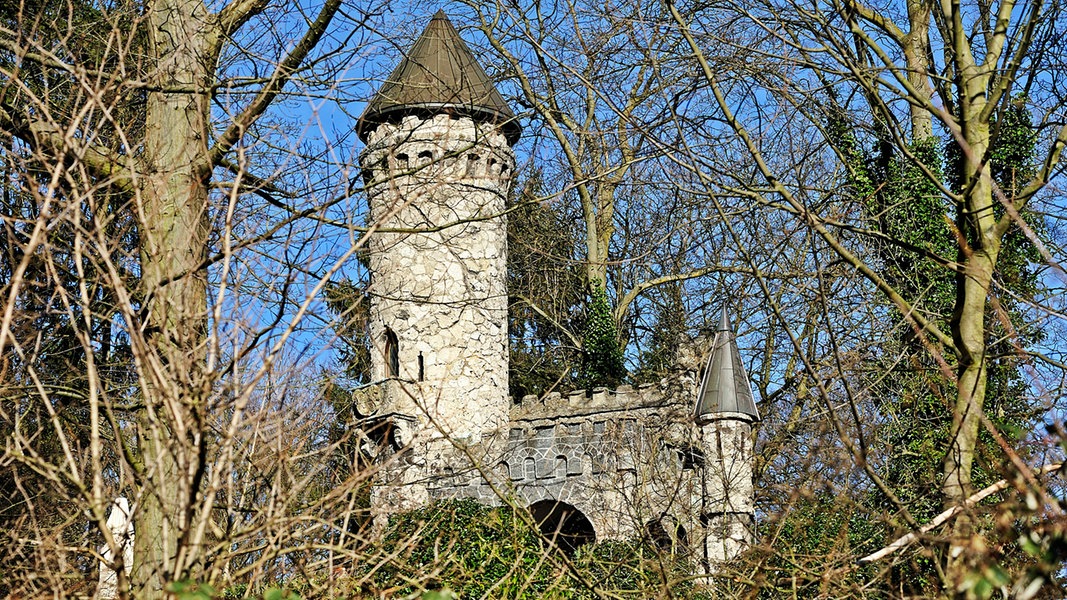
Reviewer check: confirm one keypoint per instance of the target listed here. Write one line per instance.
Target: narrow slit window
(422, 368)
(473, 164)
(392, 354)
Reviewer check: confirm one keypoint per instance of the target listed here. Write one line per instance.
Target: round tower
(438, 165)
(725, 411)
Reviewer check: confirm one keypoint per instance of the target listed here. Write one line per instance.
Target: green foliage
(461, 548)
(469, 547)
(634, 570)
(908, 207)
(815, 536)
(668, 333)
(545, 293)
(65, 317)
(603, 363)
(274, 593)
(191, 590)
(900, 195)
(826, 525)
(980, 585)
(1012, 155)
(445, 594)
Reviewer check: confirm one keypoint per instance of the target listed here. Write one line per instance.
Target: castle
(671, 462)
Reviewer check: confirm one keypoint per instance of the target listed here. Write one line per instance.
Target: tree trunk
(979, 249)
(174, 211)
(916, 57)
(600, 227)
(970, 395)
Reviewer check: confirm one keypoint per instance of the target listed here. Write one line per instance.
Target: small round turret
(724, 412)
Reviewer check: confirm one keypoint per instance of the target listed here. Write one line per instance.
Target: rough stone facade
(442, 291)
(438, 320)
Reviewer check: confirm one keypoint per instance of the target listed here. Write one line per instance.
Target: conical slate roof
(439, 75)
(725, 387)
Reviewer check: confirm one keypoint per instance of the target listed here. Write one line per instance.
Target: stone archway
(563, 524)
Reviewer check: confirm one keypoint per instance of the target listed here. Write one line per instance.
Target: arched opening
(529, 469)
(667, 535)
(562, 524)
(392, 354)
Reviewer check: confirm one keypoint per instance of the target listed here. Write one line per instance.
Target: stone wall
(624, 457)
(632, 461)
(437, 190)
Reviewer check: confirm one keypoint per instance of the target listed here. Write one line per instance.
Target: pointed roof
(439, 75)
(725, 387)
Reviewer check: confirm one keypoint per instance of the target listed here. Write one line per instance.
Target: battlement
(669, 391)
(440, 148)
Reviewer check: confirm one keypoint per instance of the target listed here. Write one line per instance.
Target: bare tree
(129, 130)
(902, 73)
(170, 229)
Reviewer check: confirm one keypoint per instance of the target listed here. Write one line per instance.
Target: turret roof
(725, 387)
(439, 75)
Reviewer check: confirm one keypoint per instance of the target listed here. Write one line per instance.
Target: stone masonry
(438, 297)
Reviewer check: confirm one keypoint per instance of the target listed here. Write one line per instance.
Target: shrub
(475, 551)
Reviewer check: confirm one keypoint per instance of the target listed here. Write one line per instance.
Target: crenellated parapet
(441, 148)
(667, 391)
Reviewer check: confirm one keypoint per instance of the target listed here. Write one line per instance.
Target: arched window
(667, 535)
(392, 354)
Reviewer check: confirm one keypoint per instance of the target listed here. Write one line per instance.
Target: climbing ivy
(900, 196)
(603, 363)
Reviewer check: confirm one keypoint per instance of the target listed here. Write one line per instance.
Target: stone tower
(438, 165)
(725, 411)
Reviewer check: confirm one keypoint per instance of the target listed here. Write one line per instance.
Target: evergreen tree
(350, 307)
(668, 334)
(545, 294)
(66, 339)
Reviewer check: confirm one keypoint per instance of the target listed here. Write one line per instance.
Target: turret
(438, 165)
(724, 413)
